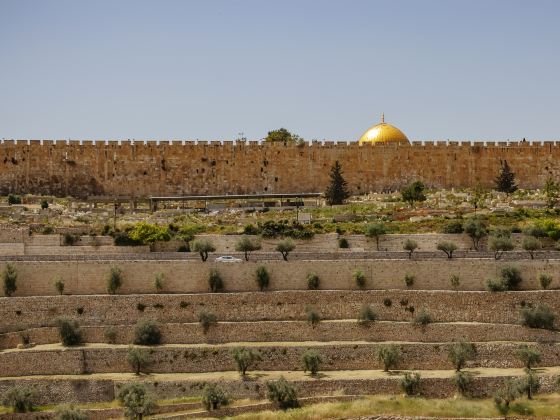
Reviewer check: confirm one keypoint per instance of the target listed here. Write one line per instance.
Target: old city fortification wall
(190, 276)
(139, 169)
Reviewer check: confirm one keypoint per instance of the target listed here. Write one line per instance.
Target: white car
(228, 258)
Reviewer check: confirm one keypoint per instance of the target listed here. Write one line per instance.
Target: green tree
(9, 277)
(410, 245)
(282, 393)
(448, 248)
(531, 244)
(500, 244)
(247, 245)
(410, 383)
(203, 247)
(376, 230)
(529, 356)
(282, 135)
(213, 397)
(285, 247)
(69, 331)
(505, 396)
(263, 278)
(463, 381)
(477, 230)
(137, 403)
(311, 361)
(389, 355)
(337, 191)
(137, 358)
(114, 280)
(19, 398)
(460, 353)
(529, 384)
(551, 191)
(414, 192)
(69, 412)
(215, 281)
(505, 181)
(478, 196)
(245, 358)
(147, 333)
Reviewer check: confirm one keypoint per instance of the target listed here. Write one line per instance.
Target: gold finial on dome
(383, 133)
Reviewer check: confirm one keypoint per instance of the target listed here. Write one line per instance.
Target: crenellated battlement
(184, 167)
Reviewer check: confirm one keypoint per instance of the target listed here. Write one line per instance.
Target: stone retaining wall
(29, 312)
(89, 277)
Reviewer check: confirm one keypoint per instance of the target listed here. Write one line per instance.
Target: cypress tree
(337, 191)
(505, 182)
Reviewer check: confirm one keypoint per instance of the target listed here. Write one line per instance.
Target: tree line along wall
(140, 169)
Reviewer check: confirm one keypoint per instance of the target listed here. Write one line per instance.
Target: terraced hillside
(346, 321)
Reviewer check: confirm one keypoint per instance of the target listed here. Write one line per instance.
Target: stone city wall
(33, 312)
(275, 357)
(82, 168)
(191, 276)
(298, 331)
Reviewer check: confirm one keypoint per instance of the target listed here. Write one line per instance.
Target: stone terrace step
(102, 388)
(99, 358)
(279, 331)
(280, 305)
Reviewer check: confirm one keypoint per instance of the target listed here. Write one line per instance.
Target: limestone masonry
(142, 169)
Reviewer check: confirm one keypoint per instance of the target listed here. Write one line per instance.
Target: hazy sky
(323, 69)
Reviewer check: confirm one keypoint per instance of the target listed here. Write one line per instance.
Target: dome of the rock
(383, 133)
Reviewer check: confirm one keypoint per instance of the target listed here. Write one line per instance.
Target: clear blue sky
(208, 69)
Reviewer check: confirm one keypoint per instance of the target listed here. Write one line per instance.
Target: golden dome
(383, 133)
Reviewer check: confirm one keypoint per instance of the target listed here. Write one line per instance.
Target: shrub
(538, 317)
(409, 279)
(313, 281)
(285, 247)
(247, 245)
(184, 248)
(447, 247)
(110, 335)
(360, 279)
(477, 230)
(545, 280)
(423, 318)
(24, 338)
(244, 358)
(69, 239)
(146, 233)
(505, 396)
(496, 285)
(389, 355)
(137, 403)
(453, 227)
(460, 353)
(311, 361)
(500, 244)
(387, 302)
(463, 382)
(376, 230)
(529, 384)
(313, 316)
(69, 412)
(44, 204)
(410, 246)
(531, 244)
(455, 281)
(14, 199)
(206, 320)
(159, 282)
(147, 333)
(410, 383)
(510, 278)
(203, 247)
(59, 285)
(140, 306)
(528, 356)
(282, 393)
(366, 315)
(69, 331)
(80, 310)
(263, 278)
(114, 280)
(343, 243)
(213, 397)
(123, 239)
(215, 281)
(137, 358)
(20, 398)
(9, 277)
